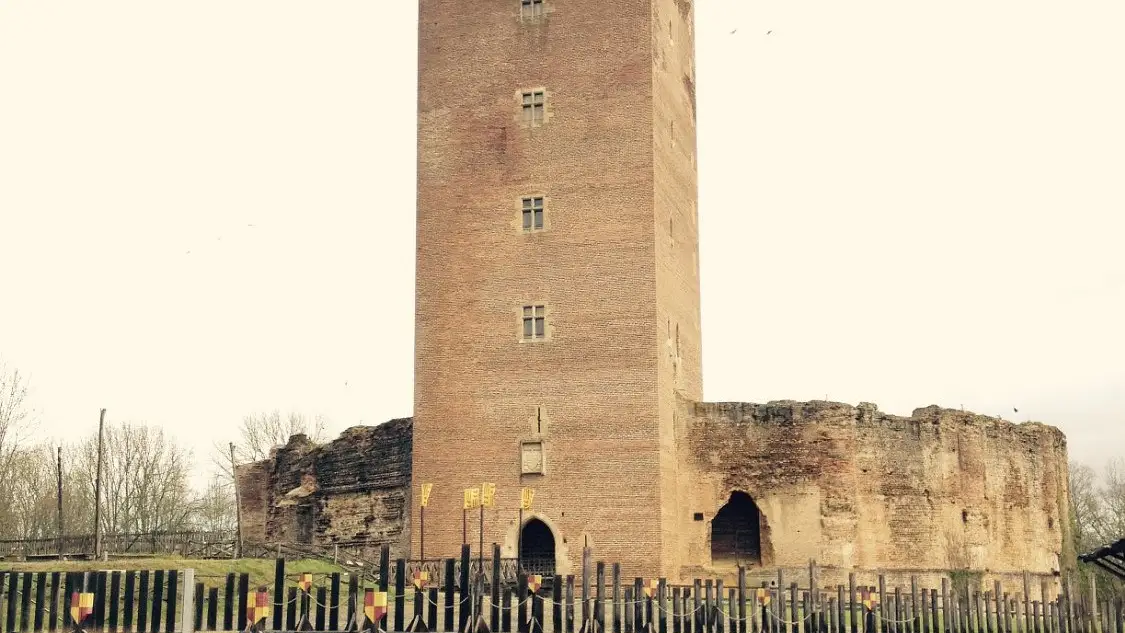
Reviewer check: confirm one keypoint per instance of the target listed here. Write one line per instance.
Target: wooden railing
(190, 544)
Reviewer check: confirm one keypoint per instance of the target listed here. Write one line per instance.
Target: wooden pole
(98, 488)
(237, 506)
(61, 527)
(812, 617)
(586, 556)
(1095, 617)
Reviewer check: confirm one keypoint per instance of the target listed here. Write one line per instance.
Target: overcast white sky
(905, 203)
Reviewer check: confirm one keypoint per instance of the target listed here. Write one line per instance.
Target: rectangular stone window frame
(533, 322)
(531, 9)
(533, 107)
(533, 213)
(532, 451)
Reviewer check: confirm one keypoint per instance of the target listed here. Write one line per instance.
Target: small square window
(531, 8)
(533, 107)
(532, 214)
(534, 323)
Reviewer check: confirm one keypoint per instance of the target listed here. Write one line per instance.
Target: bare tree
(144, 482)
(1086, 511)
(1097, 514)
(1113, 500)
(214, 507)
(16, 469)
(262, 432)
(29, 494)
(16, 419)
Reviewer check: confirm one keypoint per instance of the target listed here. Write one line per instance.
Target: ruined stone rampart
(854, 489)
(353, 490)
(857, 489)
(254, 496)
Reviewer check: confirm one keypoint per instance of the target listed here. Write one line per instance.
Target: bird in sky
(734, 31)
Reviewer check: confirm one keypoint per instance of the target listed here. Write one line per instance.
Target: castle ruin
(764, 485)
(558, 347)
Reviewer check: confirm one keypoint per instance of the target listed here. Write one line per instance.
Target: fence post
(1095, 616)
(742, 600)
(616, 598)
(279, 592)
(586, 555)
(187, 612)
(599, 595)
(494, 608)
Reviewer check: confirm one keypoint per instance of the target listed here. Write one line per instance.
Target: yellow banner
(487, 495)
(526, 497)
(472, 498)
(426, 490)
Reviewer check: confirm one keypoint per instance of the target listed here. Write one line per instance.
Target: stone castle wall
(353, 490)
(854, 488)
(254, 498)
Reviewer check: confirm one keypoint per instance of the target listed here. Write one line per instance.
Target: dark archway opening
(537, 548)
(736, 532)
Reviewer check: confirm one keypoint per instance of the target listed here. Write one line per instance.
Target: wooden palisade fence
(406, 596)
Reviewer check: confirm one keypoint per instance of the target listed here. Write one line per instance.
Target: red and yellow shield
(869, 598)
(257, 606)
(420, 579)
(305, 583)
(650, 588)
(763, 595)
(81, 606)
(374, 604)
(534, 582)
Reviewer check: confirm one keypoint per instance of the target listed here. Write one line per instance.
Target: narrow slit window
(533, 102)
(532, 214)
(534, 323)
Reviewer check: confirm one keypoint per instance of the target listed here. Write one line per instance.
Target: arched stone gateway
(738, 532)
(537, 548)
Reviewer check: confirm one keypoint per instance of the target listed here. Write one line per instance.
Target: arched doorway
(537, 548)
(736, 532)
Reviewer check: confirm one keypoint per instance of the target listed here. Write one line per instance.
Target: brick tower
(557, 311)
